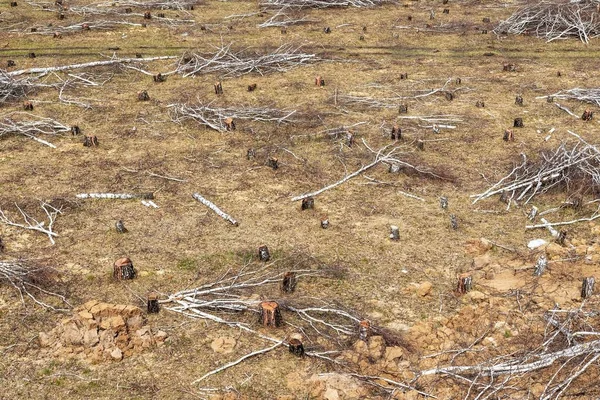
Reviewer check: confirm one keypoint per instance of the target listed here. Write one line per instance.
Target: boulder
(424, 288)
(223, 345)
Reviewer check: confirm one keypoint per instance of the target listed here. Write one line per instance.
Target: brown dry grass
(214, 164)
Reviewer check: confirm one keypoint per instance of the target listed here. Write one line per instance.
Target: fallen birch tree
(216, 209)
(30, 223)
(31, 127)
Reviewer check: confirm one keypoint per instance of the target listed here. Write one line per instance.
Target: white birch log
(216, 209)
(120, 196)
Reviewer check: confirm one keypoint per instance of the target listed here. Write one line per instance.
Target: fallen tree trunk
(216, 209)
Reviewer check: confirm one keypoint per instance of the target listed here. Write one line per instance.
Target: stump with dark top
(420, 144)
(403, 109)
(147, 15)
(364, 330)
(396, 133)
(10, 63)
(218, 87)
(519, 100)
(404, 75)
(143, 95)
(587, 115)
(90, 141)
(308, 203)
(270, 314)
(273, 162)
(587, 287)
(75, 130)
(153, 306)
(159, 78)
(27, 106)
(252, 88)
(288, 284)
(296, 347)
(518, 123)
(263, 253)
(480, 104)
(123, 269)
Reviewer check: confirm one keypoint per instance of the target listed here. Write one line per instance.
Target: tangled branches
(555, 20)
(302, 4)
(27, 279)
(30, 223)
(215, 117)
(591, 96)
(12, 89)
(282, 19)
(226, 62)
(31, 128)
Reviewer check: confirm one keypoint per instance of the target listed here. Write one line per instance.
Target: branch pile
(555, 20)
(12, 89)
(227, 62)
(31, 127)
(214, 117)
(282, 18)
(591, 96)
(302, 4)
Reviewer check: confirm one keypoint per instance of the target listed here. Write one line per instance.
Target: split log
(518, 123)
(453, 221)
(153, 306)
(480, 104)
(295, 347)
(120, 227)
(218, 87)
(509, 135)
(288, 284)
(364, 330)
(444, 202)
(90, 141)
(75, 130)
(143, 95)
(587, 287)
(396, 132)
(540, 265)
(263, 253)
(252, 88)
(120, 196)
(270, 314)
(216, 209)
(27, 106)
(403, 109)
(324, 222)
(308, 203)
(519, 100)
(587, 115)
(394, 233)
(465, 283)
(319, 81)
(123, 269)
(273, 162)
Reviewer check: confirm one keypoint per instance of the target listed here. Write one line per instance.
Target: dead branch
(282, 18)
(227, 62)
(216, 209)
(30, 223)
(119, 196)
(215, 117)
(590, 95)
(14, 89)
(302, 4)
(15, 124)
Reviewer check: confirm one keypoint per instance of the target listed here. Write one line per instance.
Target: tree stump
(409, 17)
(446, 11)
(480, 104)
(394, 233)
(324, 222)
(1, 245)
(251, 153)
(147, 15)
(229, 124)
(295, 347)
(396, 133)
(550, 99)
(57, 35)
(273, 162)
(61, 16)
(33, 30)
(540, 265)
(139, 55)
(486, 20)
(288, 284)
(159, 78)
(453, 221)
(403, 109)
(394, 168)
(270, 314)
(587, 115)
(128, 10)
(143, 95)
(449, 96)
(519, 100)
(349, 139)
(504, 197)
(509, 67)
(10, 63)
(123, 269)
(263, 253)
(562, 236)
(308, 203)
(27, 106)
(364, 330)
(283, 30)
(431, 14)
(532, 213)
(90, 141)
(420, 144)
(465, 283)
(319, 81)
(404, 75)
(484, 31)
(587, 287)
(361, 37)
(160, 15)
(252, 88)
(75, 130)
(509, 135)
(85, 27)
(327, 29)
(120, 227)
(153, 306)
(518, 123)
(218, 87)
(458, 81)
(444, 2)
(444, 202)
(13, 3)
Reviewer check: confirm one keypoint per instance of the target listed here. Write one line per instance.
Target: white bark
(216, 209)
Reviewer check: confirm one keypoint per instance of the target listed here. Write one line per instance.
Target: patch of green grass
(187, 264)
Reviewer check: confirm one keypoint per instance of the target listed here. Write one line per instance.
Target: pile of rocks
(101, 331)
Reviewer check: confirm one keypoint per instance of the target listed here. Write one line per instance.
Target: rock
(424, 289)
(331, 394)
(361, 348)
(476, 295)
(116, 354)
(485, 244)
(223, 345)
(134, 323)
(44, 339)
(72, 335)
(91, 338)
(376, 347)
(85, 315)
(535, 243)
(393, 353)
(331, 384)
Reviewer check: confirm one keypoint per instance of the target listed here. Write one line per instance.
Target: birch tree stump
(364, 330)
(453, 221)
(75, 130)
(159, 78)
(143, 95)
(480, 104)
(90, 141)
(518, 123)
(532, 213)
(465, 283)
(587, 115)
(444, 202)
(404, 75)
(270, 314)
(562, 236)
(403, 109)
(587, 287)
(288, 284)
(11, 63)
(519, 100)
(324, 222)
(540, 265)
(550, 99)
(263, 253)
(273, 162)
(394, 233)
(308, 203)
(218, 87)
(153, 306)
(120, 227)
(123, 269)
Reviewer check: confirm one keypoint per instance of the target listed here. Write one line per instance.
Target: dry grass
(183, 244)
